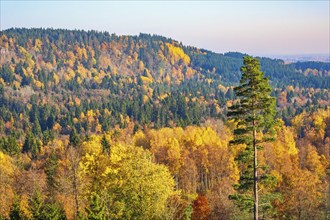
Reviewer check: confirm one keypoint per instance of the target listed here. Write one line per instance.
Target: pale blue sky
(254, 27)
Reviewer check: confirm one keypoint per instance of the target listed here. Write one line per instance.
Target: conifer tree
(15, 210)
(96, 209)
(37, 205)
(54, 211)
(31, 144)
(50, 171)
(105, 144)
(254, 114)
(10, 145)
(74, 138)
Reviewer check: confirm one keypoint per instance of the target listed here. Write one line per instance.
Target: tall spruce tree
(53, 211)
(51, 175)
(74, 138)
(15, 210)
(105, 144)
(96, 208)
(37, 205)
(254, 114)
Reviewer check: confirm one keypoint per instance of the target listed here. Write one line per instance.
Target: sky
(255, 27)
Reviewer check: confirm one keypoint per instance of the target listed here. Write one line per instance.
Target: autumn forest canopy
(99, 126)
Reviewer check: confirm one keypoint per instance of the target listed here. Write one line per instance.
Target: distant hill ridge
(56, 79)
(125, 54)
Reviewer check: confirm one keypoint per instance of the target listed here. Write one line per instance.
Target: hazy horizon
(258, 28)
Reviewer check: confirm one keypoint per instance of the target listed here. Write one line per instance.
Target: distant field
(303, 57)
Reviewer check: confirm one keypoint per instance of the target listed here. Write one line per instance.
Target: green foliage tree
(254, 114)
(50, 170)
(36, 129)
(105, 144)
(10, 145)
(31, 144)
(74, 138)
(45, 209)
(36, 205)
(96, 208)
(47, 136)
(53, 211)
(15, 210)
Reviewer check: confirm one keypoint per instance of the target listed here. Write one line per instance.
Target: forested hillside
(135, 127)
(60, 76)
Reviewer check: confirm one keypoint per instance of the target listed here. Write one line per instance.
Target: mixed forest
(99, 126)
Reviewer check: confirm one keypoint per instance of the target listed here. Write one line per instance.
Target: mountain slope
(92, 81)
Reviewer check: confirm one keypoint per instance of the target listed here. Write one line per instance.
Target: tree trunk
(75, 191)
(255, 177)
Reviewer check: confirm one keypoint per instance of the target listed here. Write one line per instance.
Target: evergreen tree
(10, 145)
(36, 129)
(31, 144)
(29, 141)
(36, 205)
(47, 136)
(50, 170)
(54, 211)
(15, 210)
(254, 114)
(96, 209)
(74, 138)
(105, 144)
(35, 149)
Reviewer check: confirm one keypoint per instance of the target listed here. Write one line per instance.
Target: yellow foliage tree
(130, 184)
(37, 45)
(178, 54)
(6, 182)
